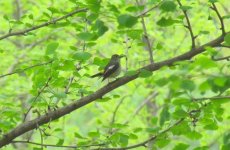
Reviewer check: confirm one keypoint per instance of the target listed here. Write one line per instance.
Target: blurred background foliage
(64, 55)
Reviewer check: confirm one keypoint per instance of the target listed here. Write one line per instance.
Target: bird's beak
(122, 56)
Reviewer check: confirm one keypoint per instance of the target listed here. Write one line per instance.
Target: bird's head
(116, 56)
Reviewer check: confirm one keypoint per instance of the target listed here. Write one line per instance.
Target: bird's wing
(110, 69)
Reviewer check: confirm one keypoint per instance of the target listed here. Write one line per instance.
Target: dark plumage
(112, 69)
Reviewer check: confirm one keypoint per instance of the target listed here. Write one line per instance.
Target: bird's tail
(97, 75)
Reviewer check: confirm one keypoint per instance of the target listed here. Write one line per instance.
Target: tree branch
(213, 7)
(23, 32)
(189, 27)
(55, 114)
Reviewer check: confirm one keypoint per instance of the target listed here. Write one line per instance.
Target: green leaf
(220, 81)
(124, 140)
(82, 56)
(145, 73)
(53, 10)
(51, 48)
(181, 101)
(164, 115)
(94, 134)
(226, 17)
(77, 135)
(153, 130)
(67, 65)
(181, 129)
(188, 85)
(94, 5)
(181, 146)
(104, 99)
(227, 39)
(202, 148)
(193, 135)
(126, 20)
(162, 142)
(100, 62)
(185, 7)
(205, 62)
(213, 1)
(226, 138)
(205, 86)
(168, 6)
(130, 73)
(135, 33)
(31, 16)
(133, 136)
(225, 146)
(86, 36)
(60, 142)
(6, 17)
(60, 95)
(118, 125)
(165, 22)
(211, 126)
(134, 8)
(179, 113)
(101, 28)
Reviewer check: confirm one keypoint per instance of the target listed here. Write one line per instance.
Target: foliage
(179, 106)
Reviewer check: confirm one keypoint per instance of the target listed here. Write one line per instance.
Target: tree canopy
(173, 92)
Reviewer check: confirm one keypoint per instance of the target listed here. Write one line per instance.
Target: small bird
(112, 69)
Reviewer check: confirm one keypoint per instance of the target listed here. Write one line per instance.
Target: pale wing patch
(109, 68)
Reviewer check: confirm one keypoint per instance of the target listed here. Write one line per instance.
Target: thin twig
(147, 11)
(22, 70)
(23, 32)
(69, 84)
(222, 58)
(146, 37)
(226, 46)
(63, 146)
(188, 26)
(40, 131)
(35, 99)
(115, 114)
(213, 7)
(138, 109)
(211, 98)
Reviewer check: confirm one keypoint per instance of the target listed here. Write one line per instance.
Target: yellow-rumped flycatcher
(112, 69)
